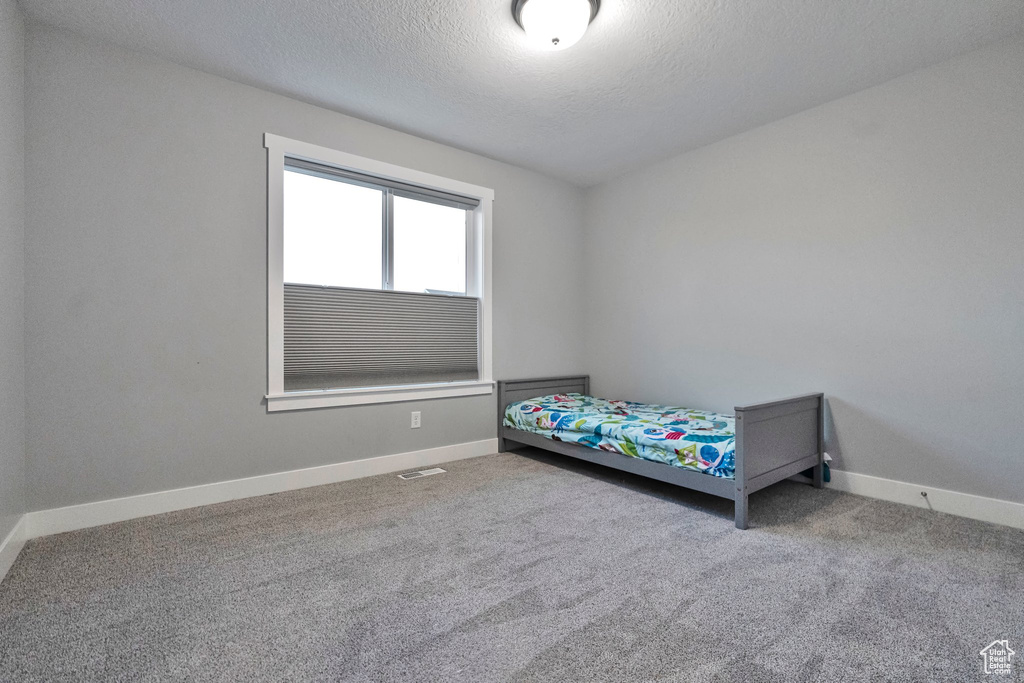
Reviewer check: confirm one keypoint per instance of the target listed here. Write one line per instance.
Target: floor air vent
(421, 473)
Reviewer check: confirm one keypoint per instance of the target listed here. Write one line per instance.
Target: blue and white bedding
(691, 439)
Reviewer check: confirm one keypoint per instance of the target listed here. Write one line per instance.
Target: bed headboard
(512, 390)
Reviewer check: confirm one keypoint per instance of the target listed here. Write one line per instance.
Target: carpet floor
(518, 567)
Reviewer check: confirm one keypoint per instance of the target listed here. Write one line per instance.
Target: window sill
(358, 396)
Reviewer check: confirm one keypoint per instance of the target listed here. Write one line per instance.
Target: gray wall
(12, 261)
(871, 248)
(145, 308)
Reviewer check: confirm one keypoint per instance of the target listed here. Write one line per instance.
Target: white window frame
(478, 280)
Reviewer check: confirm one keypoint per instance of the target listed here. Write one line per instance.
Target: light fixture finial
(554, 24)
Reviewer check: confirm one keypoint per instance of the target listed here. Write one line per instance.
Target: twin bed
(724, 455)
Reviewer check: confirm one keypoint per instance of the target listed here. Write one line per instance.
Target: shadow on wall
(832, 446)
(860, 441)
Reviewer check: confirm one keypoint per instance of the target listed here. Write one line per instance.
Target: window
(378, 282)
(430, 247)
(332, 232)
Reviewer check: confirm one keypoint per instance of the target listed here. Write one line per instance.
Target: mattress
(692, 439)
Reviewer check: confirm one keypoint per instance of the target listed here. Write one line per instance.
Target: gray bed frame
(774, 441)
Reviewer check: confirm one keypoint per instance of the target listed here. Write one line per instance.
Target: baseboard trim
(11, 546)
(74, 517)
(993, 510)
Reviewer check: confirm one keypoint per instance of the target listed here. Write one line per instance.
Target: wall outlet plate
(415, 419)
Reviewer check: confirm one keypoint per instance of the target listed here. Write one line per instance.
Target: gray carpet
(518, 567)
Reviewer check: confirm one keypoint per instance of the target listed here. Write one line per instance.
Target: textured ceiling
(651, 78)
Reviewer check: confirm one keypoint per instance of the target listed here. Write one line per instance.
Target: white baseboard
(59, 520)
(992, 510)
(11, 546)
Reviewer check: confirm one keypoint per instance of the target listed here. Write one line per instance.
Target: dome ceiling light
(554, 24)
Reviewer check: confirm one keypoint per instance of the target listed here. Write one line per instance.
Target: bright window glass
(430, 247)
(333, 234)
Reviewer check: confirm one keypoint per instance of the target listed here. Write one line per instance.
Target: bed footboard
(776, 440)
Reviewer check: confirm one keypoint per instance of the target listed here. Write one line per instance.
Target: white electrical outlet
(415, 419)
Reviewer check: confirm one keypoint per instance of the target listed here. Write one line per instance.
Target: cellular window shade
(336, 337)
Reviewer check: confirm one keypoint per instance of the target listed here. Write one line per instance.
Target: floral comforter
(694, 439)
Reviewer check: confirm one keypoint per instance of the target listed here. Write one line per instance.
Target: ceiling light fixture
(554, 24)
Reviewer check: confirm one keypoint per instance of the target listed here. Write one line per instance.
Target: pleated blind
(335, 338)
